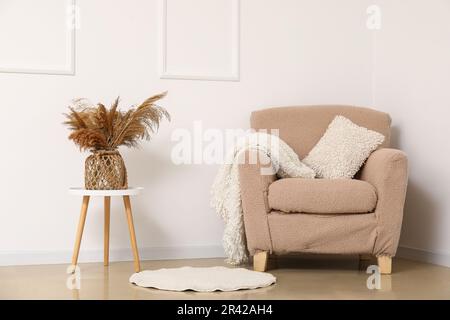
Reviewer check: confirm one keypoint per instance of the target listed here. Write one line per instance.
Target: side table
(107, 194)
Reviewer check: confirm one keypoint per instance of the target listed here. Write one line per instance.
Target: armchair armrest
(387, 170)
(255, 177)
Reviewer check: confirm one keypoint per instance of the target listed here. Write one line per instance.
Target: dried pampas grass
(99, 128)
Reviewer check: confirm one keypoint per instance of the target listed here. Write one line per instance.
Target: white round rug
(202, 279)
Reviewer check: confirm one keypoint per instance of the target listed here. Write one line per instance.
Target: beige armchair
(360, 216)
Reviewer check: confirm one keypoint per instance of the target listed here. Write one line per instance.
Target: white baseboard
(410, 253)
(150, 253)
(166, 253)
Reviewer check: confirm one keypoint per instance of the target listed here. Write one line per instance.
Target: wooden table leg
(127, 202)
(76, 250)
(107, 204)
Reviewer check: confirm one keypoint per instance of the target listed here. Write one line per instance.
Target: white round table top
(105, 193)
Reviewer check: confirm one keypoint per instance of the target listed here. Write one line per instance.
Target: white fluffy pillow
(342, 150)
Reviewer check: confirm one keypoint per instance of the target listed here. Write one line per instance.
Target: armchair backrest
(302, 127)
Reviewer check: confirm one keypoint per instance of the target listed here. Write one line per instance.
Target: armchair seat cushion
(324, 196)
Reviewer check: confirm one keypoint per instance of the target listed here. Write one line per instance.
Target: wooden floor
(297, 278)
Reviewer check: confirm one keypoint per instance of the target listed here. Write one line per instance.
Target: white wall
(412, 83)
(291, 53)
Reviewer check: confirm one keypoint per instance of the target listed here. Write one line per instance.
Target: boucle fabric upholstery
(327, 234)
(302, 127)
(329, 196)
(254, 188)
(374, 233)
(226, 191)
(342, 149)
(387, 170)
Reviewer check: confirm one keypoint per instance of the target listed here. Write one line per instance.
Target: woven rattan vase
(105, 170)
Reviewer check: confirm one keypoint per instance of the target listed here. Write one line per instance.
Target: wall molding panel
(232, 74)
(68, 68)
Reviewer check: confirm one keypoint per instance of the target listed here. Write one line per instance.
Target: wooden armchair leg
(260, 261)
(385, 264)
